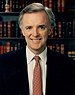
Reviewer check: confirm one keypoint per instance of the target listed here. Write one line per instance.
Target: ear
(50, 31)
(22, 32)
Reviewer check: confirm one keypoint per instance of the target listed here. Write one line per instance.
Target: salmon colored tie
(37, 78)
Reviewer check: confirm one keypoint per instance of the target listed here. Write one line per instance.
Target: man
(17, 67)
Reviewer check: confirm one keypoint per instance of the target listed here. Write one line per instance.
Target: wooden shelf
(61, 38)
(11, 39)
(9, 13)
(7, 16)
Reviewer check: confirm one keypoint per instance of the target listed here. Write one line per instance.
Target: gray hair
(37, 7)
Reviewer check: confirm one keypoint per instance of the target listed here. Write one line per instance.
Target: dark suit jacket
(14, 78)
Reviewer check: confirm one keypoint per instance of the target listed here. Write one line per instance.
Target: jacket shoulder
(58, 57)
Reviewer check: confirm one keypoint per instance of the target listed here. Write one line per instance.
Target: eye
(28, 27)
(42, 27)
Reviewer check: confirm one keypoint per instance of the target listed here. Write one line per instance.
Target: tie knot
(36, 58)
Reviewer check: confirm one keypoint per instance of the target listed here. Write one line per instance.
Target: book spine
(51, 4)
(54, 6)
(1, 29)
(1, 49)
(59, 29)
(11, 5)
(46, 3)
(69, 29)
(62, 6)
(9, 28)
(62, 49)
(5, 28)
(58, 6)
(13, 28)
(7, 46)
(63, 29)
(16, 6)
(57, 47)
(2, 6)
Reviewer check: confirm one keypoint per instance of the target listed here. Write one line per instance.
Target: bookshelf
(63, 36)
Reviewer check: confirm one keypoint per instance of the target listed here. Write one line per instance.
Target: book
(59, 29)
(58, 6)
(8, 29)
(62, 6)
(1, 28)
(51, 4)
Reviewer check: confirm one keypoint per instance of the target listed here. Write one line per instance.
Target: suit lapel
(15, 77)
(49, 74)
(54, 82)
(50, 81)
(24, 72)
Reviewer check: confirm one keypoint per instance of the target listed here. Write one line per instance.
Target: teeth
(36, 39)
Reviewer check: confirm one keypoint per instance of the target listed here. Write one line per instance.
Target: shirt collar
(30, 55)
(43, 55)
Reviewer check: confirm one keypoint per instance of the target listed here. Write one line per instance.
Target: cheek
(24, 33)
(45, 36)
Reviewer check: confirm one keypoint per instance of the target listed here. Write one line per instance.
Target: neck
(37, 51)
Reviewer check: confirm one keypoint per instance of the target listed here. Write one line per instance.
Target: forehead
(35, 16)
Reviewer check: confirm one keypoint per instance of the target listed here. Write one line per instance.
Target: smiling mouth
(36, 39)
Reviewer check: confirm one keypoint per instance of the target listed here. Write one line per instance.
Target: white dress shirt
(31, 65)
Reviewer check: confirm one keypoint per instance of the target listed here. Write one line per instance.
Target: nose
(35, 32)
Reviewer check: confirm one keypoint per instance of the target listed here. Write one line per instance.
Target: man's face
(36, 28)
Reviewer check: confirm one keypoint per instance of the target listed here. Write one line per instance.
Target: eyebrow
(42, 25)
(37, 25)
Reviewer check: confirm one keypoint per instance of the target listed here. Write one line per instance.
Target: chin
(35, 48)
